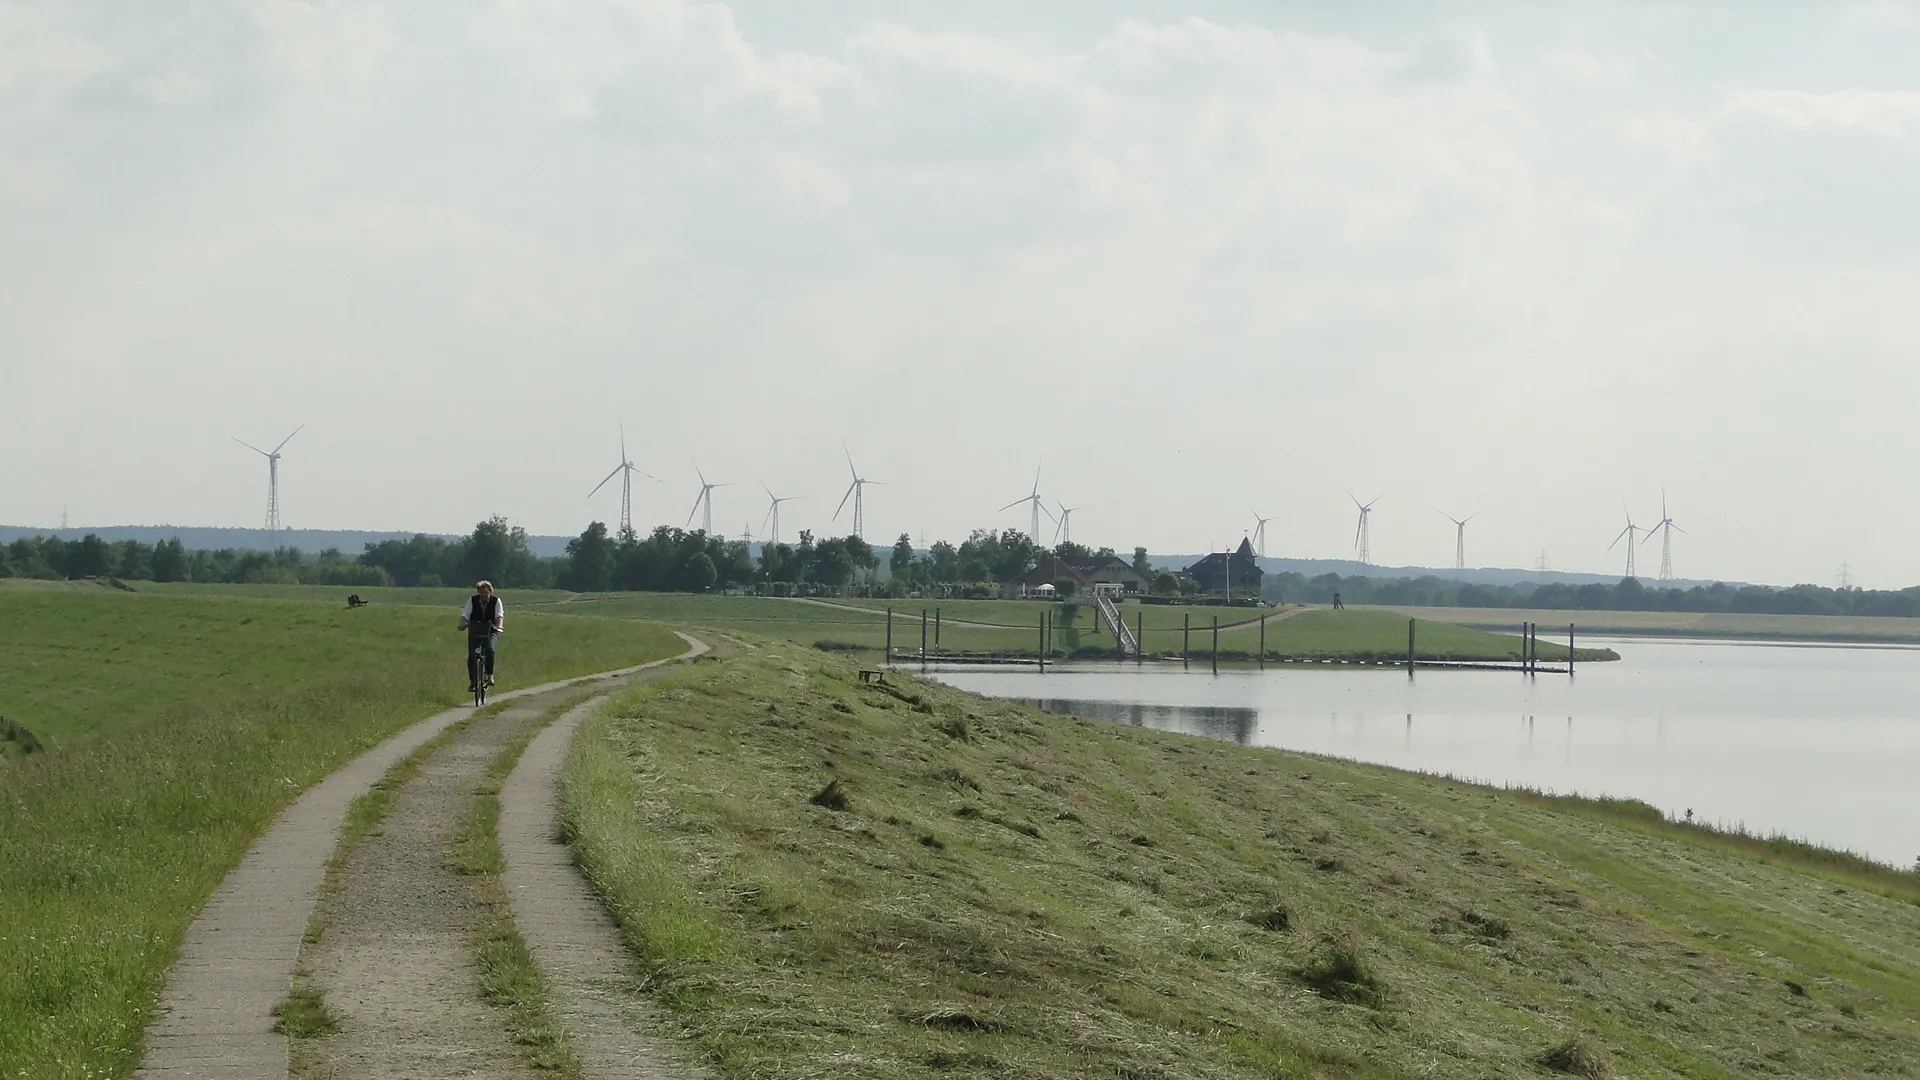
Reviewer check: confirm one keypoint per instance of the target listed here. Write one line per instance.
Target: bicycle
(477, 670)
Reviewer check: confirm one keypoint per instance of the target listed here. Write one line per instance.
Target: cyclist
(484, 618)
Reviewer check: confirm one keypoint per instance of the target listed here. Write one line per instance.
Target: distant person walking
(484, 618)
(1337, 605)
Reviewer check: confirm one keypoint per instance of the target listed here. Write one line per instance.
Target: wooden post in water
(1409, 646)
(1139, 637)
(1569, 649)
(1186, 635)
(936, 629)
(923, 637)
(1216, 644)
(1043, 643)
(1263, 642)
(889, 635)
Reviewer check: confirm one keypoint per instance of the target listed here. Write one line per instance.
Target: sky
(1193, 260)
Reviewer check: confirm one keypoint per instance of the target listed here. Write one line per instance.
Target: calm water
(1815, 741)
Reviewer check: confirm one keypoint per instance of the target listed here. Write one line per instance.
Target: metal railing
(1111, 612)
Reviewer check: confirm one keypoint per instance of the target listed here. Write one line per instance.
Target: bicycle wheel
(480, 675)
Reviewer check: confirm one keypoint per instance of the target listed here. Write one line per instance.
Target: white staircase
(1111, 612)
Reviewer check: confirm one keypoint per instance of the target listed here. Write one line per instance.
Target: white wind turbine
(625, 471)
(1038, 507)
(1627, 534)
(857, 492)
(1260, 535)
(273, 476)
(1363, 532)
(1666, 528)
(1063, 525)
(704, 500)
(773, 512)
(1459, 536)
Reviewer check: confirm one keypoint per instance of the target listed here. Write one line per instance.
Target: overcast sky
(1204, 259)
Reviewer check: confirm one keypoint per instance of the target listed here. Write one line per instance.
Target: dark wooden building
(1228, 574)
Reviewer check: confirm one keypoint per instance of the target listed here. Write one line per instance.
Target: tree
(700, 573)
(902, 561)
(1141, 565)
(591, 557)
(170, 560)
(1165, 584)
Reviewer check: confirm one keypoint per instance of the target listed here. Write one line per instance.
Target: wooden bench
(873, 675)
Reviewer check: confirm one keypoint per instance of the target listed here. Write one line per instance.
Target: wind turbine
(273, 476)
(625, 471)
(855, 491)
(1033, 530)
(1063, 527)
(1260, 535)
(1666, 528)
(1459, 536)
(773, 512)
(1363, 533)
(703, 500)
(1627, 534)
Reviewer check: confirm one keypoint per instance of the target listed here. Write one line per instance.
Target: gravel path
(591, 981)
(215, 1017)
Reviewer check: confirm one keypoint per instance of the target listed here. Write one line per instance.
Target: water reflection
(1223, 722)
(1815, 742)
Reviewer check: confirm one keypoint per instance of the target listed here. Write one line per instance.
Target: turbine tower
(1627, 534)
(273, 476)
(1260, 535)
(1363, 533)
(625, 471)
(855, 491)
(703, 501)
(1459, 537)
(1063, 527)
(1666, 528)
(773, 512)
(1033, 530)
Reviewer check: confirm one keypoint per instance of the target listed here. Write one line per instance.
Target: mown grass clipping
(820, 878)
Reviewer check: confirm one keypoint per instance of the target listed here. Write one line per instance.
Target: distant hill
(204, 538)
(1484, 575)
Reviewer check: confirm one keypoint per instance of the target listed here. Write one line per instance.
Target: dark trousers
(479, 651)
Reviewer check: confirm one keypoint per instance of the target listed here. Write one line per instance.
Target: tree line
(1629, 594)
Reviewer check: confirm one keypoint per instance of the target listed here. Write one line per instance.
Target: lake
(1819, 742)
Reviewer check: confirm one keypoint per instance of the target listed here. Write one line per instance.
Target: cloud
(1892, 115)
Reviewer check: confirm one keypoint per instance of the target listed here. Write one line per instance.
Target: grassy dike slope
(1008, 893)
(203, 718)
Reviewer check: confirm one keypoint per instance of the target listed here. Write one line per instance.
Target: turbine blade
(1616, 540)
(696, 507)
(849, 453)
(844, 498)
(1357, 526)
(648, 475)
(289, 438)
(1015, 503)
(1044, 510)
(603, 483)
(250, 446)
(623, 442)
(1678, 529)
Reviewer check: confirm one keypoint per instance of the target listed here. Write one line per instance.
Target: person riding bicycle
(484, 618)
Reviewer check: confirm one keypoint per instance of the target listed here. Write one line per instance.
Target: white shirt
(500, 609)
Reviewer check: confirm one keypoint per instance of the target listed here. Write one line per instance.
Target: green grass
(861, 625)
(109, 845)
(1860, 628)
(1008, 893)
(449, 597)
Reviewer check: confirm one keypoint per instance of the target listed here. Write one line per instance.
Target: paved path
(215, 1017)
(591, 981)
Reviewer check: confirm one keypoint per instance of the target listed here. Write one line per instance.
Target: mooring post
(936, 629)
(1569, 650)
(1216, 644)
(1139, 636)
(923, 637)
(889, 635)
(1042, 655)
(1409, 646)
(1263, 642)
(1186, 635)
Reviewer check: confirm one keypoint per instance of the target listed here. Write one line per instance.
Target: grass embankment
(110, 846)
(828, 878)
(861, 626)
(1864, 629)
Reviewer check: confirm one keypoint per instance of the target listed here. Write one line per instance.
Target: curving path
(215, 1017)
(591, 981)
